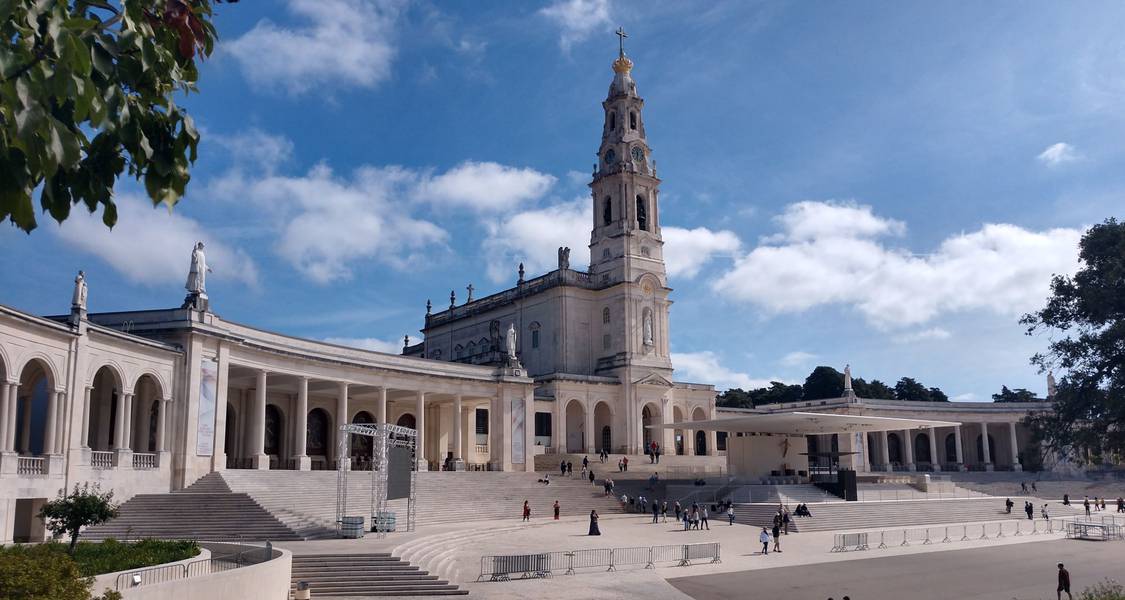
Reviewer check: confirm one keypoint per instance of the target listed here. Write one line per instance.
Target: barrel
(385, 521)
(351, 527)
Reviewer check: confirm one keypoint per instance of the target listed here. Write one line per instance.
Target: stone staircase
(848, 516)
(378, 574)
(206, 510)
(670, 466)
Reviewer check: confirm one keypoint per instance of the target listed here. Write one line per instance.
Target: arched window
(632, 120)
(316, 431)
(362, 445)
(471, 349)
(950, 448)
(458, 352)
(605, 315)
(607, 211)
(607, 438)
(612, 120)
(642, 213)
(534, 327)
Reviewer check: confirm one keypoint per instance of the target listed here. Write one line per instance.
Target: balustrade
(29, 465)
(144, 461)
(101, 460)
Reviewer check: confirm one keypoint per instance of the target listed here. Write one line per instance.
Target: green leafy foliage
(1085, 316)
(111, 555)
(69, 513)
(825, 382)
(86, 94)
(1106, 590)
(44, 572)
(1016, 395)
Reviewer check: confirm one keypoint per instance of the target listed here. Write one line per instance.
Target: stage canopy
(806, 423)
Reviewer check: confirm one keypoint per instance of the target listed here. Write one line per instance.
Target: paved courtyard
(1015, 571)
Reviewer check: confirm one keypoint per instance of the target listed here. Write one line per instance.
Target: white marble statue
(197, 275)
(79, 300)
(847, 378)
(511, 340)
(646, 326)
(1051, 389)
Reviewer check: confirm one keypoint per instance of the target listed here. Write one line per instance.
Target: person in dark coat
(526, 511)
(556, 510)
(562, 468)
(594, 523)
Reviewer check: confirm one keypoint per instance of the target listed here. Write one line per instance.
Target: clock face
(638, 154)
(610, 156)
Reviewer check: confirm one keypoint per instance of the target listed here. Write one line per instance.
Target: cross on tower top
(621, 35)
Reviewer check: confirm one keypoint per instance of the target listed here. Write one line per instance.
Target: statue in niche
(197, 274)
(511, 340)
(646, 325)
(79, 300)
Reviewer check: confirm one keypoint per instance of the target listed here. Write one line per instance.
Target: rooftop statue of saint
(79, 300)
(197, 274)
(511, 340)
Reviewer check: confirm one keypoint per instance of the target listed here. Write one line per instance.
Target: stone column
(590, 433)
(1016, 466)
(884, 452)
(457, 433)
(468, 432)
(5, 419)
(558, 426)
(986, 453)
(935, 460)
(866, 453)
(666, 437)
(119, 423)
(25, 428)
(420, 423)
(51, 424)
(342, 419)
(162, 424)
(130, 407)
(689, 439)
(381, 409)
(301, 426)
(84, 435)
(13, 414)
(908, 449)
(957, 448)
(258, 451)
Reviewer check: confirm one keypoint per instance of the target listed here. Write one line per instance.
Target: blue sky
(883, 184)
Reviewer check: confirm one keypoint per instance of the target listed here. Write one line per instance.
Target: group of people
(566, 469)
(1099, 505)
(607, 486)
(802, 510)
(1028, 508)
(653, 452)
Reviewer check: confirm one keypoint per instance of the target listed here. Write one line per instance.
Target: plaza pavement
(1021, 571)
(453, 552)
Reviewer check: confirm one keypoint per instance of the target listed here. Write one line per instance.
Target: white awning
(806, 423)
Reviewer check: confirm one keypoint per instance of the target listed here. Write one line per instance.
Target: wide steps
(366, 575)
(203, 516)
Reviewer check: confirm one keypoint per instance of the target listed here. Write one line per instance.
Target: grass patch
(112, 555)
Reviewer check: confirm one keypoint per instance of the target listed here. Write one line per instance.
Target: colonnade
(906, 459)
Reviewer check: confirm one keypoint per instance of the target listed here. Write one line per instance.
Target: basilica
(570, 361)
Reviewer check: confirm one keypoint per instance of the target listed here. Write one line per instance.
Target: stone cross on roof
(621, 35)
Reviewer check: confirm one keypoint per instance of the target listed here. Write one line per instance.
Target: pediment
(653, 379)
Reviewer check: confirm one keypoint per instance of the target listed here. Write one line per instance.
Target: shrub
(85, 506)
(44, 572)
(1106, 590)
(112, 555)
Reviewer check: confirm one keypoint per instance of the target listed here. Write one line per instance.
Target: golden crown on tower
(622, 65)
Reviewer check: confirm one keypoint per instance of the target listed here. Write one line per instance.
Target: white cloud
(326, 222)
(1000, 268)
(1057, 154)
(373, 344)
(534, 236)
(704, 367)
(152, 246)
(933, 333)
(484, 186)
(338, 43)
(797, 358)
(966, 397)
(577, 19)
(687, 250)
(254, 148)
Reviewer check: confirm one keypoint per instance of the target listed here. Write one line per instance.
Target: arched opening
(316, 436)
(642, 213)
(603, 421)
(632, 119)
(894, 449)
(362, 445)
(612, 120)
(605, 315)
(922, 448)
(991, 449)
(575, 427)
(951, 448)
(153, 424)
(678, 433)
(275, 425)
(700, 435)
(407, 420)
(607, 211)
(145, 411)
(104, 397)
(35, 384)
(650, 415)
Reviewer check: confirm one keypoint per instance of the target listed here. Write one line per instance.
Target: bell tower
(625, 242)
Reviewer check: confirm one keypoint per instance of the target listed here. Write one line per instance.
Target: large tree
(86, 94)
(1085, 316)
(823, 382)
(1016, 395)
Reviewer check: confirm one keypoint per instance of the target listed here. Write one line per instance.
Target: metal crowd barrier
(502, 568)
(944, 534)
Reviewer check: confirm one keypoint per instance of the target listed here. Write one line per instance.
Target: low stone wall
(268, 580)
(109, 580)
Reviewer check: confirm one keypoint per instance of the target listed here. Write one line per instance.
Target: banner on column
(519, 421)
(205, 430)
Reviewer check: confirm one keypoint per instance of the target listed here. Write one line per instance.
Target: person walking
(1045, 516)
(1064, 583)
(592, 477)
(664, 511)
(703, 519)
(569, 468)
(777, 538)
(785, 520)
(556, 510)
(1030, 509)
(764, 538)
(730, 514)
(657, 453)
(562, 469)
(1008, 505)
(620, 465)
(677, 509)
(625, 462)
(655, 512)
(585, 463)
(1066, 499)
(526, 511)
(1103, 503)
(594, 523)
(1086, 505)
(1120, 504)
(687, 521)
